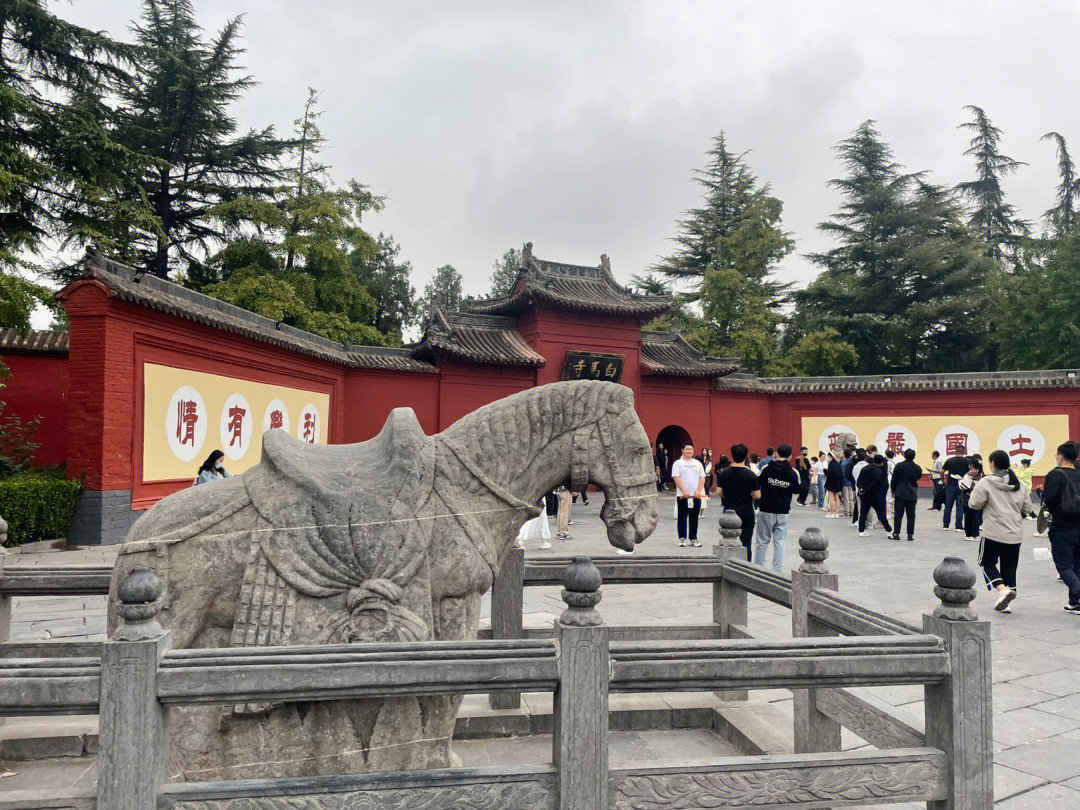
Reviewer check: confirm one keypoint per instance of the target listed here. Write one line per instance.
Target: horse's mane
(509, 432)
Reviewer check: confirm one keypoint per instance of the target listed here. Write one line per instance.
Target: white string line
(188, 773)
(176, 534)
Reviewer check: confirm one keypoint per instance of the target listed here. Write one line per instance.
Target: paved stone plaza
(1036, 649)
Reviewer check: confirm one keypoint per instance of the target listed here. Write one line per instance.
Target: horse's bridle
(622, 505)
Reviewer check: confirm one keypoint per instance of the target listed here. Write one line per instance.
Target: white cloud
(578, 126)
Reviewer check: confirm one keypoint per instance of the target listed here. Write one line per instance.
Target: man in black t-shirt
(955, 468)
(778, 483)
(661, 461)
(1060, 488)
(739, 488)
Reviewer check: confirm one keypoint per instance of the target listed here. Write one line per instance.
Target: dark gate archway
(673, 437)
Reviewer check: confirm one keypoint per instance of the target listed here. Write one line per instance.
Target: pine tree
(176, 112)
(725, 259)
(504, 273)
(1062, 217)
(905, 282)
(386, 279)
(443, 291)
(62, 174)
(993, 218)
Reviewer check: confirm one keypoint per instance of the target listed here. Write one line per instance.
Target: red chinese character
(276, 420)
(1019, 449)
(895, 441)
(236, 424)
(187, 414)
(833, 437)
(954, 443)
(309, 427)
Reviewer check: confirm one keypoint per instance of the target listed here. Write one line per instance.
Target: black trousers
(804, 487)
(904, 507)
(877, 503)
(939, 495)
(746, 535)
(688, 511)
(999, 561)
(972, 522)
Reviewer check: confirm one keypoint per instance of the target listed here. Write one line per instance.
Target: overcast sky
(577, 125)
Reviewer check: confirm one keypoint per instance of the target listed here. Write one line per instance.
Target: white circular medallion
(276, 416)
(896, 438)
(1020, 442)
(185, 423)
(236, 426)
(308, 424)
(829, 436)
(952, 436)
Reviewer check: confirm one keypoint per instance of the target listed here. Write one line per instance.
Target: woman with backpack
(1003, 502)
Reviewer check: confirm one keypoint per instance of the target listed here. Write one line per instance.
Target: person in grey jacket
(1004, 502)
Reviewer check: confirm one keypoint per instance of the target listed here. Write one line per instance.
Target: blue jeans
(821, 492)
(772, 528)
(952, 496)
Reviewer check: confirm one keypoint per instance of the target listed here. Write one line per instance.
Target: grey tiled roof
(33, 342)
(173, 299)
(574, 287)
(889, 383)
(488, 339)
(668, 354)
(745, 383)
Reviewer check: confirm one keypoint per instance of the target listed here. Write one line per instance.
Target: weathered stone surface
(393, 539)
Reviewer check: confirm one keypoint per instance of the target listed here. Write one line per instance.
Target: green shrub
(37, 506)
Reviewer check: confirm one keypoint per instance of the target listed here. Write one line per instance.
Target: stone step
(28, 738)
(756, 727)
(637, 712)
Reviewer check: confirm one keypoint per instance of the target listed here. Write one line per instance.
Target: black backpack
(1069, 504)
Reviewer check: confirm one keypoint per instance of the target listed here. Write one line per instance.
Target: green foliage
(504, 272)
(725, 257)
(201, 176)
(906, 284)
(821, 353)
(386, 278)
(19, 298)
(37, 506)
(1062, 217)
(1039, 307)
(63, 174)
(991, 217)
(443, 291)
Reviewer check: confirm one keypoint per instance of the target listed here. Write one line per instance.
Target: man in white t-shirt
(689, 478)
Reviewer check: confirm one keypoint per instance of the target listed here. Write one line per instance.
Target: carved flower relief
(770, 787)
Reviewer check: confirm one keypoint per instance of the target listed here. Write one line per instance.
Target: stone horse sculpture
(390, 540)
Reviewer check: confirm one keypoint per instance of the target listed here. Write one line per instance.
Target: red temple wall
(552, 333)
(741, 417)
(38, 386)
(678, 401)
(371, 394)
(464, 388)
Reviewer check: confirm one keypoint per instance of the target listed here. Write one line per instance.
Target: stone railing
(136, 681)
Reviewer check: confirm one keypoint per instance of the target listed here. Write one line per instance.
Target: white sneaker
(862, 534)
(622, 551)
(545, 544)
(1003, 601)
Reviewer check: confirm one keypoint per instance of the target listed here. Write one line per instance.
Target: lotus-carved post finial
(814, 549)
(139, 602)
(730, 529)
(954, 585)
(581, 593)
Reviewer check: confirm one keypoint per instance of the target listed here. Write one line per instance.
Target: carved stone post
(814, 732)
(5, 599)
(507, 598)
(134, 742)
(580, 753)
(729, 602)
(959, 713)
